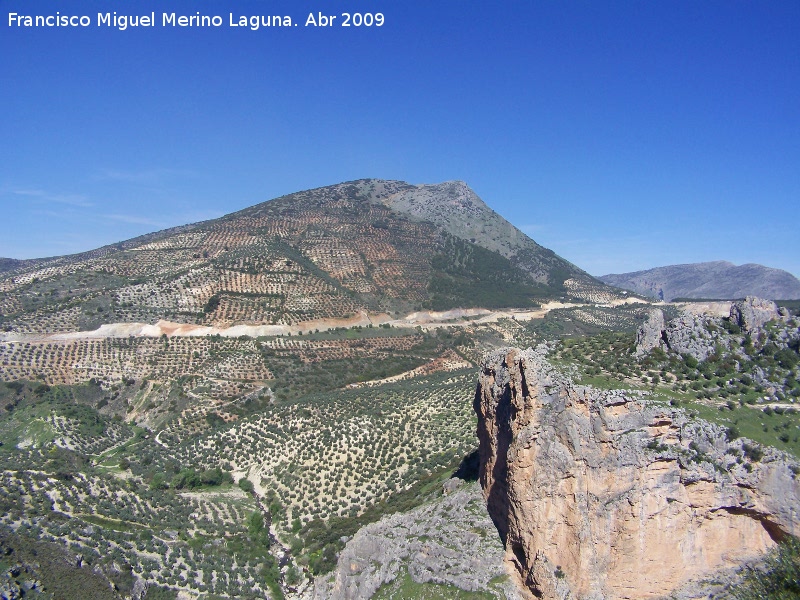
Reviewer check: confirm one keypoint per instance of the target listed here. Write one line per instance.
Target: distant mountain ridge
(709, 280)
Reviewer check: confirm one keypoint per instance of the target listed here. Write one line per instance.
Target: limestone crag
(690, 334)
(685, 334)
(606, 494)
(450, 541)
(753, 313)
(649, 335)
(701, 336)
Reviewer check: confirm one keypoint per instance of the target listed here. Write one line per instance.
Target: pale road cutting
(457, 317)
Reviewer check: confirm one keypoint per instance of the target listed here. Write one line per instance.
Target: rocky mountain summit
(606, 494)
(712, 280)
(457, 209)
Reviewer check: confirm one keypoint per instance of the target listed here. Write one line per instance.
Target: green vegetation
(322, 541)
(192, 479)
(777, 579)
(212, 304)
(721, 389)
(587, 321)
(341, 457)
(405, 588)
(301, 379)
(36, 415)
(124, 523)
(467, 275)
(369, 358)
(765, 427)
(25, 558)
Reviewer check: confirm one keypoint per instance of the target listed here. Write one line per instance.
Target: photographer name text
(175, 20)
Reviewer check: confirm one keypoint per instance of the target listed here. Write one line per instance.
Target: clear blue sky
(623, 135)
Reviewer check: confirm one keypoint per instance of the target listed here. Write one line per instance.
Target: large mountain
(368, 245)
(713, 280)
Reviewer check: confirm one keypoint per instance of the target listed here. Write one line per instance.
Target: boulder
(690, 334)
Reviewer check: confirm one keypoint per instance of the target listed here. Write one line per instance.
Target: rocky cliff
(685, 334)
(753, 313)
(604, 494)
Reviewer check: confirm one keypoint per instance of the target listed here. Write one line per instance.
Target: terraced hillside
(242, 467)
(148, 457)
(165, 503)
(325, 253)
(162, 460)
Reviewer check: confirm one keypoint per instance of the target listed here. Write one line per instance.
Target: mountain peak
(369, 246)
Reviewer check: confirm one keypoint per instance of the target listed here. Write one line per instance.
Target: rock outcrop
(650, 334)
(753, 313)
(605, 494)
(685, 334)
(449, 542)
(690, 334)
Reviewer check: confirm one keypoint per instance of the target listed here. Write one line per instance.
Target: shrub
(779, 578)
(690, 361)
(212, 304)
(754, 453)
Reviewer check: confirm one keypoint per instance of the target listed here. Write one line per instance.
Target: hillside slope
(717, 280)
(364, 246)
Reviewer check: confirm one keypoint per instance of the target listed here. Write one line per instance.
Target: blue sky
(623, 135)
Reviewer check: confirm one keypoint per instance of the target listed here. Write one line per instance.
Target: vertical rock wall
(602, 494)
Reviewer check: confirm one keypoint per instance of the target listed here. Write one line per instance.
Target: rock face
(685, 334)
(700, 336)
(649, 336)
(688, 334)
(453, 206)
(449, 542)
(753, 313)
(603, 494)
